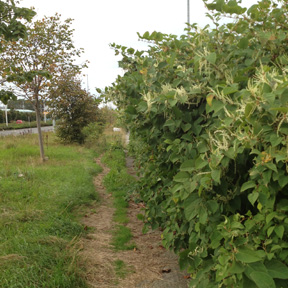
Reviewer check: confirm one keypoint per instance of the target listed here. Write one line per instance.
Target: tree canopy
(12, 29)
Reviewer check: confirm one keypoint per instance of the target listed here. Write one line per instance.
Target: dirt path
(148, 266)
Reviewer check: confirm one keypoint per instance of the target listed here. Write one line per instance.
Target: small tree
(38, 61)
(74, 107)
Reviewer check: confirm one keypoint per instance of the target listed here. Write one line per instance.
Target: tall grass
(39, 229)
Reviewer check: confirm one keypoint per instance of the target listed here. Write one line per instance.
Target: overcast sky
(99, 23)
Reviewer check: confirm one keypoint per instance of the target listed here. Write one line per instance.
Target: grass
(122, 239)
(118, 182)
(39, 227)
(121, 268)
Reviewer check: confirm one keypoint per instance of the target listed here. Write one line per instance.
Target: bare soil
(148, 266)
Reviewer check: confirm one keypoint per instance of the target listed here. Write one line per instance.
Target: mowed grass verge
(39, 212)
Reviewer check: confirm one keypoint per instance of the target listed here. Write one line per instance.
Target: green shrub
(93, 131)
(209, 114)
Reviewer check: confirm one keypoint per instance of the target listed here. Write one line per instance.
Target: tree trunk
(38, 120)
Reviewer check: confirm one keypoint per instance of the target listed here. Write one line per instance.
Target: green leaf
(211, 58)
(277, 269)
(248, 283)
(237, 225)
(176, 188)
(205, 182)
(247, 255)
(284, 98)
(283, 205)
(269, 97)
(257, 266)
(212, 206)
(270, 216)
(169, 123)
(283, 181)
(219, 5)
(172, 102)
(203, 215)
(230, 90)
(280, 109)
(146, 35)
(216, 237)
(271, 166)
(131, 50)
(275, 248)
(266, 177)
(188, 166)
(191, 206)
(186, 127)
(230, 153)
(232, 7)
(159, 36)
(279, 230)
(247, 185)
(200, 163)
(270, 230)
(262, 279)
(142, 106)
(280, 157)
(162, 65)
(181, 177)
(216, 174)
(243, 43)
(236, 268)
(191, 186)
(266, 88)
(275, 140)
(252, 197)
(217, 105)
(188, 137)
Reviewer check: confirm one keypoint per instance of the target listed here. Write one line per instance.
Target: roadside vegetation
(207, 112)
(40, 206)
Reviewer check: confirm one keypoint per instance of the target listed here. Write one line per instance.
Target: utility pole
(188, 11)
(6, 115)
(87, 84)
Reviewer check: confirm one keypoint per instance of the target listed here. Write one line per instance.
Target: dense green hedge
(209, 113)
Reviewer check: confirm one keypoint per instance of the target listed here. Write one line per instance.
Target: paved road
(25, 131)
